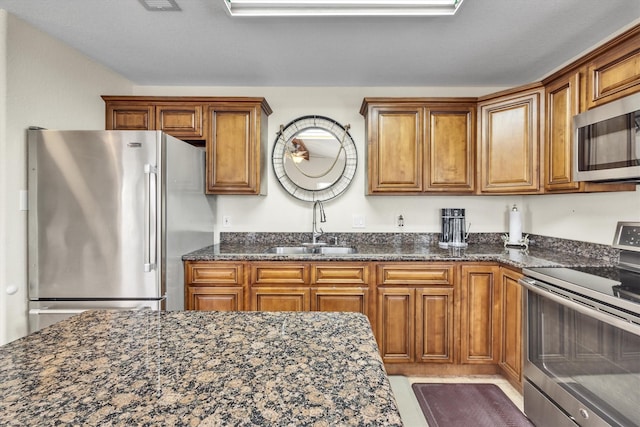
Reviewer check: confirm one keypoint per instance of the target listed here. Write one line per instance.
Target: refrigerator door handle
(39, 311)
(150, 235)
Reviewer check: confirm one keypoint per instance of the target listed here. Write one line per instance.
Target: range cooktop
(612, 286)
(617, 286)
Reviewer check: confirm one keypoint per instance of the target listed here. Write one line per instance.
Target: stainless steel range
(582, 341)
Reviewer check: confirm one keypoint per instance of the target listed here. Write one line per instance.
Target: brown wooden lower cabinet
(214, 286)
(511, 354)
(396, 324)
(416, 324)
(428, 317)
(416, 312)
(480, 314)
(435, 325)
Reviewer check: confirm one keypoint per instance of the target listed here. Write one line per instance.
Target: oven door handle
(603, 316)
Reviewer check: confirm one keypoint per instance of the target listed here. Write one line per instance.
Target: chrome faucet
(323, 218)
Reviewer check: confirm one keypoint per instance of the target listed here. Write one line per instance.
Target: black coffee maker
(453, 232)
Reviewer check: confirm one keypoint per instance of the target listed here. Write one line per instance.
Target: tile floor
(408, 404)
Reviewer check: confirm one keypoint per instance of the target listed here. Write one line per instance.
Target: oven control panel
(627, 236)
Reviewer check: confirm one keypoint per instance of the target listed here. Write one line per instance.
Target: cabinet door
(510, 143)
(179, 120)
(434, 325)
(450, 153)
(130, 116)
(340, 299)
(614, 73)
(214, 298)
(396, 324)
(280, 299)
(563, 102)
(233, 150)
(511, 354)
(395, 149)
(480, 315)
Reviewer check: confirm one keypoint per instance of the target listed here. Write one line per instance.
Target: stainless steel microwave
(607, 142)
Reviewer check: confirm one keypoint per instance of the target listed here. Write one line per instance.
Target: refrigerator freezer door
(88, 212)
(43, 314)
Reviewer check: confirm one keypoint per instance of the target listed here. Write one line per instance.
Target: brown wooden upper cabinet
(509, 141)
(614, 69)
(236, 145)
(563, 102)
(233, 130)
(418, 145)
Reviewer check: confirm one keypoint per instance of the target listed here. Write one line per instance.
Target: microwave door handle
(587, 311)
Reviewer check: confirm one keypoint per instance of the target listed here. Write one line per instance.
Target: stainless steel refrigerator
(110, 215)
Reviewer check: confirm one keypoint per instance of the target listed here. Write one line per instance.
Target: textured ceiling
(487, 43)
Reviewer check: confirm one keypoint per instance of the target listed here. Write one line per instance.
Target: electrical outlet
(226, 221)
(358, 221)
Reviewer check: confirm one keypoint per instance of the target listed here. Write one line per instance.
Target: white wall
(586, 217)
(51, 85)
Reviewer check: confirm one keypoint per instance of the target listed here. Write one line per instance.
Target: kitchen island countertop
(198, 368)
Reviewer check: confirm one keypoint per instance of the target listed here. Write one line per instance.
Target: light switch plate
(23, 200)
(358, 221)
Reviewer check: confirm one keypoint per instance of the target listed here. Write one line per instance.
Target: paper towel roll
(515, 226)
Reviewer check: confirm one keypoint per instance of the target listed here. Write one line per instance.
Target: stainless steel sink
(336, 250)
(289, 250)
(300, 250)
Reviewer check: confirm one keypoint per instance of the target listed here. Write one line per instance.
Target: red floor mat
(478, 405)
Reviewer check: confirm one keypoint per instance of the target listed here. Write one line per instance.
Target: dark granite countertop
(197, 368)
(546, 252)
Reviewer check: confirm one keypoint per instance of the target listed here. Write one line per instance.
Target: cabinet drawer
(416, 274)
(334, 274)
(268, 274)
(207, 273)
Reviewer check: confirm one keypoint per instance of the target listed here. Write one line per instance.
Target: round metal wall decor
(314, 158)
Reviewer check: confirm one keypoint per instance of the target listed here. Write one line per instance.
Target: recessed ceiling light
(160, 5)
(342, 7)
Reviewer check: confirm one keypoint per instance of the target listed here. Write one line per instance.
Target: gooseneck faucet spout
(315, 233)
